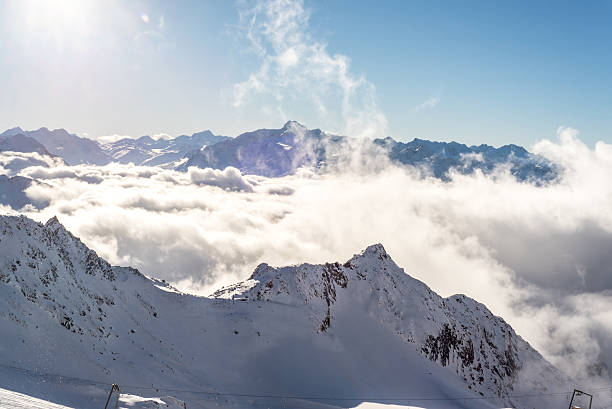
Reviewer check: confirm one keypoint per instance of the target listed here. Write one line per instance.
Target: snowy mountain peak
(308, 280)
(143, 139)
(293, 125)
(260, 271)
(11, 132)
(52, 221)
(203, 134)
(456, 332)
(375, 250)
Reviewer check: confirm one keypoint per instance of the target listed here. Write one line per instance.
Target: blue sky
(472, 71)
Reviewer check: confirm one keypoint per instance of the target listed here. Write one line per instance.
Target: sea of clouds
(539, 256)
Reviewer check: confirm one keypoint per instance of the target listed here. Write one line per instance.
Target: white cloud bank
(295, 69)
(538, 256)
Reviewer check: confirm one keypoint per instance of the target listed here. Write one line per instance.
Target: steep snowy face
(55, 271)
(52, 287)
(457, 333)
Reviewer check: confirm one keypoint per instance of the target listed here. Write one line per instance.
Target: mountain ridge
(280, 152)
(124, 327)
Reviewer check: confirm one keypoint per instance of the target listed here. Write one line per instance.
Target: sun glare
(59, 19)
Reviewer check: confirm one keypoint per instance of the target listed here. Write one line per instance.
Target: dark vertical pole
(109, 395)
(118, 396)
(572, 400)
(114, 406)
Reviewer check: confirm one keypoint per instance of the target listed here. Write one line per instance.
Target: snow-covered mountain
(279, 152)
(72, 148)
(23, 144)
(12, 191)
(159, 152)
(266, 152)
(440, 157)
(306, 336)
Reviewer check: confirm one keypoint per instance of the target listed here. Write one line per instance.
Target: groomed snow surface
(15, 400)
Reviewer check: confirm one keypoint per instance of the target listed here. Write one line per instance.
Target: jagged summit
(374, 250)
(293, 125)
(55, 226)
(456, 332)
(52, 222)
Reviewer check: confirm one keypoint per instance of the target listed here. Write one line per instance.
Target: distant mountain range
(147, 151)
(76, 150)
(440, 157)
(267, 152)
(72, 148)
(323, 334)
(277, 152)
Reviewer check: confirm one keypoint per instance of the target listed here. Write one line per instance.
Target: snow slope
(307, 336)
(14, 400)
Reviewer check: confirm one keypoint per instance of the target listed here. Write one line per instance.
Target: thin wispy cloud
(431, 102)
(296, 69)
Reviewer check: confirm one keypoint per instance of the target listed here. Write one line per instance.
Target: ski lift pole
(580, 393)
(114, 405)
